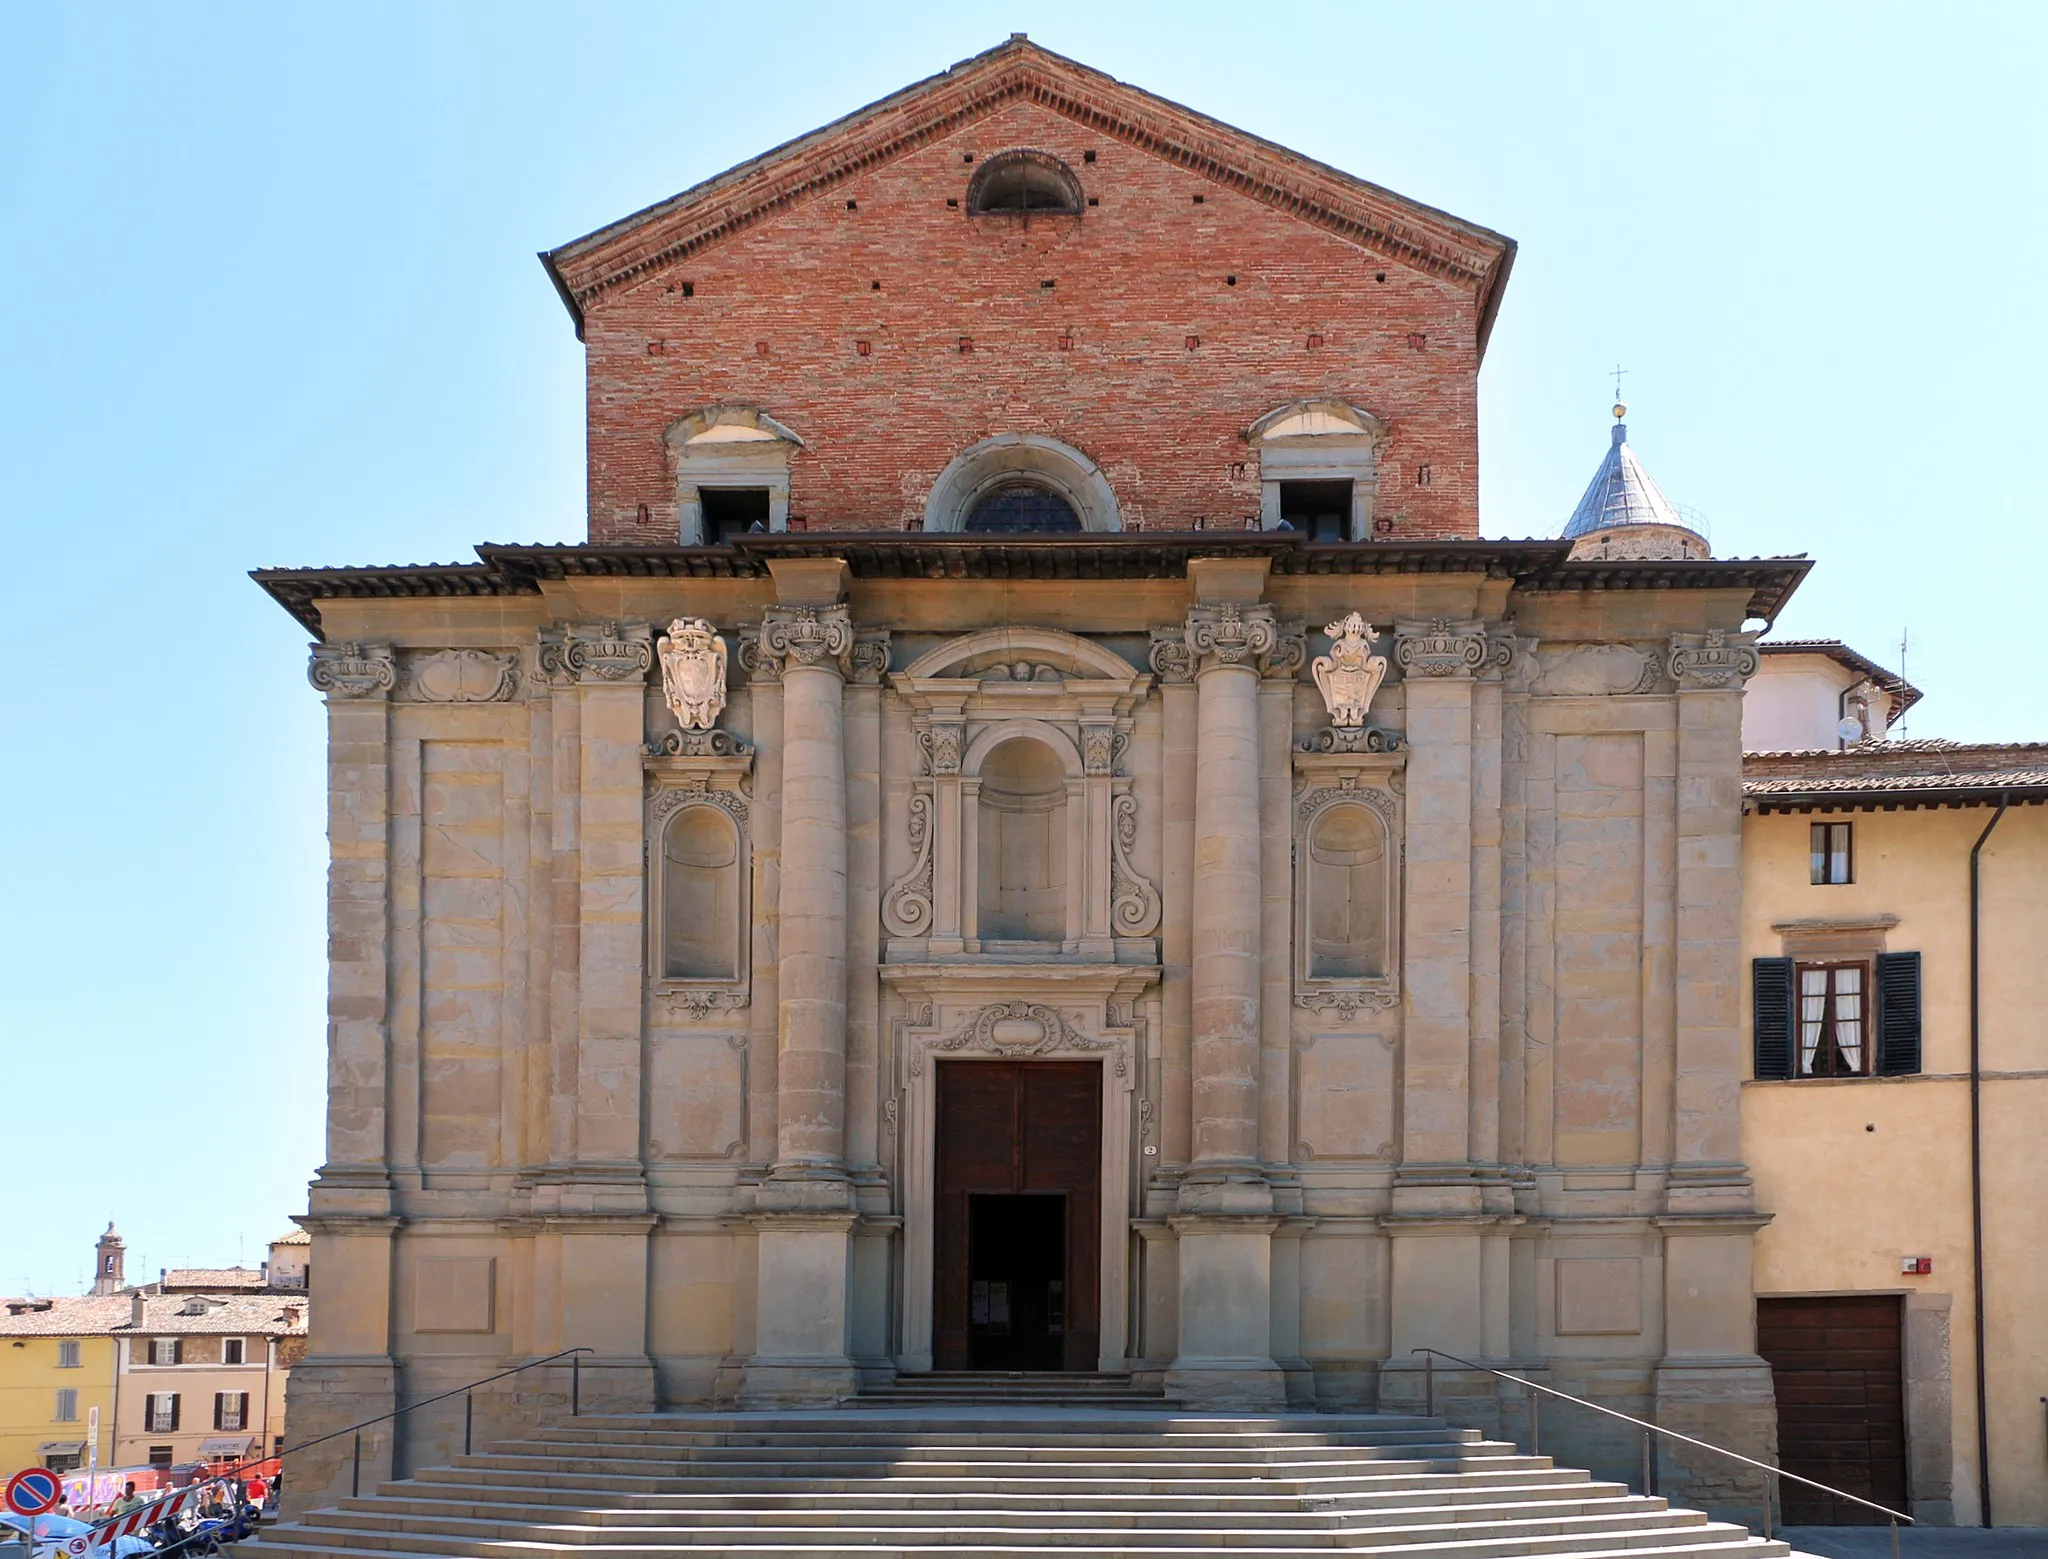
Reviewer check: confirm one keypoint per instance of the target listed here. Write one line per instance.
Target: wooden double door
(1837, 1369)
(1018, 1223)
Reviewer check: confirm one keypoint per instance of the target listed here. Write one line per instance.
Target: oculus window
(1020, 182)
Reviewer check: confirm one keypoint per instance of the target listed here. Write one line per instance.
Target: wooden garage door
(1836, 1365)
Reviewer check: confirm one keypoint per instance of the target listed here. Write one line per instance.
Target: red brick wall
(777, 314)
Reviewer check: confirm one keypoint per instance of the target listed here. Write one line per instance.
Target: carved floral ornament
(808, 638)
(1712, 661)
(1230, 635)
(1015, 1029)
(1441, 648)
(353, 670)
(460, 677)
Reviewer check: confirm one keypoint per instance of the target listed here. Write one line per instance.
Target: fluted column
(1225, 1221)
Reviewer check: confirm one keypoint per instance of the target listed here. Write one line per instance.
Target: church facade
(1035, 834)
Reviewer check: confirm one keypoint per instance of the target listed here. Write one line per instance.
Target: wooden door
(1007, 1128)
(1837, 1367)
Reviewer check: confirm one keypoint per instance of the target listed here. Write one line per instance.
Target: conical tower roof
(1623, 496)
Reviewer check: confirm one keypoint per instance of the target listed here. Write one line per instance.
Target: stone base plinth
(822, 1382)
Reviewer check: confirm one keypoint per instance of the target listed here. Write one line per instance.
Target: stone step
(461, 1538)
(410, 1513)
(1708, 1540)
(897, 1452)
(924, 1421)
(956, 1462)
(886, 1438)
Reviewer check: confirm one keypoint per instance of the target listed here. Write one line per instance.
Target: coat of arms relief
(1350, 674)
(693, 672)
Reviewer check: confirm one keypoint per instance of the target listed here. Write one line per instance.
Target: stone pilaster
(1225, 1223)
(805, 1216)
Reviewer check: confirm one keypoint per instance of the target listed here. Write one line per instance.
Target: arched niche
(731, 462)
(1346, 893)
(699, 885)
(1021, 790)
(1318, 456)
(1011, 460)
(700, 895)
(1347, 882)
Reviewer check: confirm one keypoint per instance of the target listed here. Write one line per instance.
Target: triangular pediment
(1399, 229)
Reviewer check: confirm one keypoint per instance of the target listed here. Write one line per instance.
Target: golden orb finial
(1620, 411)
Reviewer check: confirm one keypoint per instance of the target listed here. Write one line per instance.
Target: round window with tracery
(1022, 506)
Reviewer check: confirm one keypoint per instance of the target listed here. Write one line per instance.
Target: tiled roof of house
(1919, 772)
(214, 1277)
(1904, 694)
(101, 1315)
(296, 1237)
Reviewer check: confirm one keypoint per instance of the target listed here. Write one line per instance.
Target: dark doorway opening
(1017, 1249)
(1017, 1282)
(1837, 1367)
(732, 511)
(1321, 509)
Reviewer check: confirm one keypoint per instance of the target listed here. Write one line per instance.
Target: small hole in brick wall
(1199, 199)
(874, 286)
(967, 343)
(1066, 343)
(1087, 156)
(760, 349)
(1047, 285)
(853, 205)
(1230, 281)
(689, 289)
(950, 201)
(1193, 342)
(967, 156)
(654, 349)
(862, 347)
(1422, 476)
(1417, 342)
(645, 514)
(1383, 526)
(1379, 275)
(1314, 342)
(1094, 200)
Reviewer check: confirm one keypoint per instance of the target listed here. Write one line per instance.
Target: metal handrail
(573, 1355)
(1429, 1394)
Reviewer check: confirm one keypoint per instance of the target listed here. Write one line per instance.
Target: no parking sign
(34, 1491)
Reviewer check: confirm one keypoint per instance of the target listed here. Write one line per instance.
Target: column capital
(596, 653)
(353, 670)
(1712, 662)
(1228, 634)
(1440, 647)
(813, 638)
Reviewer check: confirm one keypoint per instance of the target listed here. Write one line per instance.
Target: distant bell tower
(109, 1257)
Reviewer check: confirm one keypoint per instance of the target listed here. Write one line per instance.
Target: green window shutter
(1898, 1014)
(1775, 1007)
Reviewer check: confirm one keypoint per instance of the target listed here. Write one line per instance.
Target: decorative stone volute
(1440, 648)
(693, 673)
(597, 653)
(1714, 661)
(816, 638)
(1350, 674)
(1230, 635)
(353, 670)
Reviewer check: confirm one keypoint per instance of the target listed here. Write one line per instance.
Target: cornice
(1353, 209)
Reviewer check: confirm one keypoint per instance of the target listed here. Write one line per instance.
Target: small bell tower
(110, 1257)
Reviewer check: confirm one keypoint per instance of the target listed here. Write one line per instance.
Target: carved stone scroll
(353, 670)
(1134, 902)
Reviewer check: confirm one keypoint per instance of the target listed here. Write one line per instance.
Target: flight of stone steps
(1010, 1388)
(1002, 1483)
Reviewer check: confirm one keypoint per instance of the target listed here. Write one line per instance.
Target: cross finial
(1620, 410)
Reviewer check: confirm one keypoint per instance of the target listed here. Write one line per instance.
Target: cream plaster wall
(1858, 1173)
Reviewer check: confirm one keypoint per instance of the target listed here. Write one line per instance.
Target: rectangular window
(62, 1461)
(732, 511)
(1834, 1027)
(160, 1455)
(1832, 858)
(231, 1350)
(162, 1413)
(67, 1406)
(1321, 510)
(231, 1410)
(164, 1350)
(67, 1354)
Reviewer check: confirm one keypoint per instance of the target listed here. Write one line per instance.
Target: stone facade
(1416, 1008)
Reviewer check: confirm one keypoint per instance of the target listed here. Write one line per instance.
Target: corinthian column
(813, 645)
(804, 1214)
(1226, 642)
(1225, 1221)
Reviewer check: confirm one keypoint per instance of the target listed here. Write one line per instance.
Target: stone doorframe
(1015, 1012)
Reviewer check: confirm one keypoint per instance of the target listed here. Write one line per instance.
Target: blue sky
(271, 299)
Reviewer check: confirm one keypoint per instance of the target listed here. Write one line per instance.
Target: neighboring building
(192, 1373)
(288, 1264)
(57, 1364)
(203, 1375)
(1120, 877)
(1893, 917)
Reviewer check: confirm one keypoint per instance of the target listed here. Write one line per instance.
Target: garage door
(1836, 1364)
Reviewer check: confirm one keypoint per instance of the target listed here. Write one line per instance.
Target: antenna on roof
(1905, 635)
